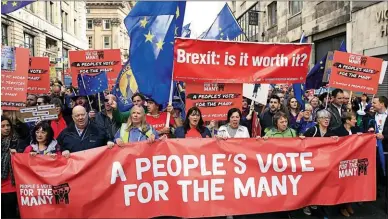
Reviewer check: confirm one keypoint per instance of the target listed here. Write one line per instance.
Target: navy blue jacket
(180, 132)
(93, 137)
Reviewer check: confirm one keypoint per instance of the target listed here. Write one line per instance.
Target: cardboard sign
(14, 83)
(355, 72)
(256, 92)
(197, 178)
(240, 62)
(8, 58)
(94, 62)
(214, 100)
(38, 113)
(39, 75)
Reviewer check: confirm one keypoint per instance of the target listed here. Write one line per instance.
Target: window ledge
(300, 12)
(271, 27)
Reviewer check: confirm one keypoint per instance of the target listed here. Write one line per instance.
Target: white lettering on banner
(209, 58)
(35, 194)
(206, 188)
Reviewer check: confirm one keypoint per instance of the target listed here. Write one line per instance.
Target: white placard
(256, 92)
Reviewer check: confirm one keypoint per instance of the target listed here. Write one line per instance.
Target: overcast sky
(201, 15)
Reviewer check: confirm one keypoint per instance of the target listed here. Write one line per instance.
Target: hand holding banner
(199, 177)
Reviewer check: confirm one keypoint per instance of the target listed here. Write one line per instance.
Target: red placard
(95, 61)
(14, 83)
(263, 176)
(240, 62)
(213, 99)
(355, 72)
(39, 75)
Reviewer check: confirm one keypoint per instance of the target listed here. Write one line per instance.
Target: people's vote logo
(355, 167)
(61, 193)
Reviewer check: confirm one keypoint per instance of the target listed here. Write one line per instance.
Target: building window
(251, 31)
(64, 20)
(295, 7)
(51, 12)
(30, 7)
(106, 24)
(4, 35)
(234, 6)
(272, 14)
(89, 24)
(29, 43)
(107, 42)
(90, 41)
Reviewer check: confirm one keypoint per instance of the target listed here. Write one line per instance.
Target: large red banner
(39, 75)
(199, 177)
(240, 62)
(94, 62)
(355, 72)
(214, 99)
(14, 83)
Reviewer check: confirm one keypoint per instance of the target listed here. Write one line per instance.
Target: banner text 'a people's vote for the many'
(197, 178)
(240, 62)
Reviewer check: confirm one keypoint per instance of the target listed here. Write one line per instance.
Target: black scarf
(7, 143)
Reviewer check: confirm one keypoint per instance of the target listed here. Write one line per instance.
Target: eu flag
(125, 87)
(152, 27)
(186, 31)
(225, 27)
(92, 84)
(299, 88)
(11, 6)
(314, 79)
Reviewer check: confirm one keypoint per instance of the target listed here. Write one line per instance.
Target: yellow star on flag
(222, 34)
(160, 44)
(221, 38)
(14, 4)
(176, 31)
(220, 29)
(143, 22)
(149, 37)
(177, 12)
(4, 2)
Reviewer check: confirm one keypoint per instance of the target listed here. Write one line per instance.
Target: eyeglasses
(106, 100)
(39, 103)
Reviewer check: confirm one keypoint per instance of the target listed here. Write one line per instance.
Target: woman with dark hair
(348, 127)
(9, 142)
(193, 126)
(293, 109)
(43, 141)
(233, 129)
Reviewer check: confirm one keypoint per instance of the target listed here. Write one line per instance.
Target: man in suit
(335, 108)
(380, 126)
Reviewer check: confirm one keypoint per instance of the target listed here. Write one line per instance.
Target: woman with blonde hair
(136, 129)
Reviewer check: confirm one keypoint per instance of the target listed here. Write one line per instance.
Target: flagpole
(87, 96)
(99, 101)
(170, 98)
(246, 37)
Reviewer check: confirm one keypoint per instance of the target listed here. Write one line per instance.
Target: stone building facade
(363, 26)
(105, 27)
(38, 27)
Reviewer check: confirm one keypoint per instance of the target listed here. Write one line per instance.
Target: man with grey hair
(82, 134)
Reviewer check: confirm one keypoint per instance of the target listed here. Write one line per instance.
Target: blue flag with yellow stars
(298, 87)
(225, 27)
(152, 27)
(186, 31)
(92, 84)
(11, 6)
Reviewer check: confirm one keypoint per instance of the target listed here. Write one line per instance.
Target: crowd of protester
(86, 122)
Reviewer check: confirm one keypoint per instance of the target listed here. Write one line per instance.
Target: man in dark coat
(82, 134)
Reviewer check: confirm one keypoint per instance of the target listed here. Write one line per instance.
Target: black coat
(315, 132)
(385, 132)
(341, 131)
(93, 137)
